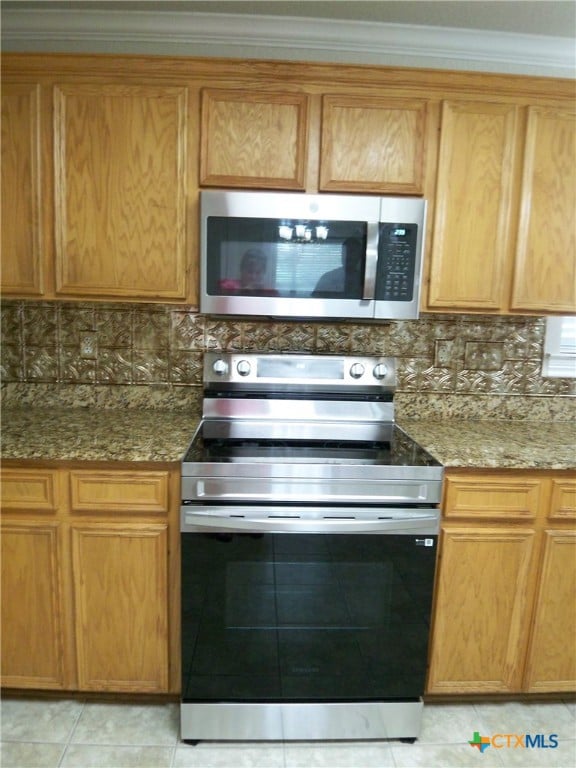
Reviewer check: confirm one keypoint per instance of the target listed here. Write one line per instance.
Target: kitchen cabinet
(89, 583)
(103, 159)
(21, 173)
(254, 139)
(269, 139)
(32, 542)
(502, 234)
(120, 202)
(545, 263)
(372, 144)
(504, 611)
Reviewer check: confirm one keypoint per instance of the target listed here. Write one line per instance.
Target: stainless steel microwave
(296, 255)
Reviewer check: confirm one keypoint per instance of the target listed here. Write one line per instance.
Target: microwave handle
(369, 288)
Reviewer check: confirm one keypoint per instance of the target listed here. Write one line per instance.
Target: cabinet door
(32, 608)
(552, 657)
(22, 268)
(471, 247)
(253, 139)
(120, 574)
(372, 145)
(545, 267)
(482, 600)
(121, 190)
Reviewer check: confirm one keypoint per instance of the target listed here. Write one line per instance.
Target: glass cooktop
(397, 450)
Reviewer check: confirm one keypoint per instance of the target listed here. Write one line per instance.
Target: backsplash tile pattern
(158, 350)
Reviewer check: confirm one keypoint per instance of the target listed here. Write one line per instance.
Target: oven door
(281, 604)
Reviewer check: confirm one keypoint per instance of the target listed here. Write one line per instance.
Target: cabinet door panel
(21, 195)
(121, 190)
(545, 267)
(372, 145)
(121, 598)
(481, 611)
(471, 245)
(253, 139)
(32, 615)
(552, 658)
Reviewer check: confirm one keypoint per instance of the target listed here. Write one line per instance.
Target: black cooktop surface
(397, 449)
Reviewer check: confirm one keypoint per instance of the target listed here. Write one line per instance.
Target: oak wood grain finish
(121, 176)
(253, 139)
(121, 596)
(545, 263)
(22, 234)
(373, 144)
(126, 492)
(482, 607)
(551, 663)
(505, 601)
(471, 234)
(90, 594)
(32, 610)
(29, 490)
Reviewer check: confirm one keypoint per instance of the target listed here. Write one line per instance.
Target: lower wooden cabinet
(89, 587)
(505, 603)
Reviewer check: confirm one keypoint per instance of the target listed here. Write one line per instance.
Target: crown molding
(288, 38)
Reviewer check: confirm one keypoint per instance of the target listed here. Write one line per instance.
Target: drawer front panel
(27, 490)
(125, 492)
(491, 497)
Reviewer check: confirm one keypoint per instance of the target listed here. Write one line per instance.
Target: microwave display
(285, 257)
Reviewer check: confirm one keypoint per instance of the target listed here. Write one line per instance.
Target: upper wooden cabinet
(545, 264)
(253, 139)
(372, 144)
(103, 159)
(120, 154)
(503, 231)
(22, 263)
(261, 139)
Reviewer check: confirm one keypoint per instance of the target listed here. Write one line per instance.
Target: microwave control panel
(396, 262)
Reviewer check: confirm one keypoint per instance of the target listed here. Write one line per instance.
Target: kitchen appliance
(301, 255)
(309, 526)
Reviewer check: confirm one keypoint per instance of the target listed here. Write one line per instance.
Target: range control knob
(380, 371)
(357, 371)
(220, 367)
(243, 368)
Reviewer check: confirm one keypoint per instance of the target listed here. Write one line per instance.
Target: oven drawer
(276, 490)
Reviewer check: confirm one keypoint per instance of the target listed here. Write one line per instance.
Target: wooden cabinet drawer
(27, 490)
(492, 497)
(563, 501)
(124, 492)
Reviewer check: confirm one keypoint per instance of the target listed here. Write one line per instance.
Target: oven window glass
(285, 257)
(296, 617)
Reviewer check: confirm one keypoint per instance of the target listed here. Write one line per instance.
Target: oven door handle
(425, 522)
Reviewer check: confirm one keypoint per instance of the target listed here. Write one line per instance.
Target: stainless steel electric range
(309, 526)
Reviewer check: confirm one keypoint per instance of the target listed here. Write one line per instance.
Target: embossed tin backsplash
(151, 356)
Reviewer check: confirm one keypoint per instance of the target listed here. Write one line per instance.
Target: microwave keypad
(396, 262)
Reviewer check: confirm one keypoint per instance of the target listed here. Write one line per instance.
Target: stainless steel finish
(272, 519)
(285, 722)
(300, 373)
(369, 483)
(296, 488)
(281, 205)
(369, 289)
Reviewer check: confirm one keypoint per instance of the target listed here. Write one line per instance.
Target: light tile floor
(69, 733)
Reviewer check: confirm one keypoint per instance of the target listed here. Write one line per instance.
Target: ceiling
(540, 17)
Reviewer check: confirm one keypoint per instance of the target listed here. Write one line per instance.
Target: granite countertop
(90, 434)
(497, 444)
(134, 435)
